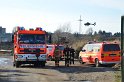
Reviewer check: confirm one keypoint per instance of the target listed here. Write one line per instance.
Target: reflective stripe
(118, 54)
(84, 56)
(31, 57)
(109, 55)
(32, 46)
(105, 54)
(105, 62)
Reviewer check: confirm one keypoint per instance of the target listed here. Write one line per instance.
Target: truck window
(61, 47)
(96, 48)
(111, 47)
(32, 38)
(90, 48)
(50, 48)
(85, 47)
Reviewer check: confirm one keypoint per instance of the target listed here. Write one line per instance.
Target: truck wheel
(17, 64)
(14, 64)
(97, 64)
(50, 58)
(43, 64)
(36, 64)
(111, 65)
(80, 60)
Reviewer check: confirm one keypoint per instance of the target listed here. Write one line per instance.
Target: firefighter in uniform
(72, 52)
(57, 55)
(67, 55)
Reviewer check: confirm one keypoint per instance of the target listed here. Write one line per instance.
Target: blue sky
(50, 14)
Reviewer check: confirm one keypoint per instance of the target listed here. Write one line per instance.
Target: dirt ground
(50, 73)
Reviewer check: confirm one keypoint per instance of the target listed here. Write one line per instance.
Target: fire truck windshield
(32, 38)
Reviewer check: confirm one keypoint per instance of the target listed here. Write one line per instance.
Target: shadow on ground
(11, 74)
(74, 69)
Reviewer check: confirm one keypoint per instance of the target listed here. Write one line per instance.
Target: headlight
(43, 56)
(19, 56)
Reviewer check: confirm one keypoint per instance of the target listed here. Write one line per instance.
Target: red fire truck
(51, 49)
(29, 46)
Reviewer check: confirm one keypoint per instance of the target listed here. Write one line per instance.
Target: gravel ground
(50, 73)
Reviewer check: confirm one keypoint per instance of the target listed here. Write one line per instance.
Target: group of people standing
(68, 55)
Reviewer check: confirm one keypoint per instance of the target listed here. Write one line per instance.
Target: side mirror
(12, 38)
(49, 37)
(83, 50)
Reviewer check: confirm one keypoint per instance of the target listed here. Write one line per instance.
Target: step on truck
(29, 46)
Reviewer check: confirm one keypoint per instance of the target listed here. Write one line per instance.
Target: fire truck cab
(100, 53)
(29, 46)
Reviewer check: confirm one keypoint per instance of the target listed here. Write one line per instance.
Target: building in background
(5, 37)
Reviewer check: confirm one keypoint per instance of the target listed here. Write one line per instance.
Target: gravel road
(50, 73)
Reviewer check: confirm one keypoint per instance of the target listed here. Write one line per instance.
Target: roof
(31, 32)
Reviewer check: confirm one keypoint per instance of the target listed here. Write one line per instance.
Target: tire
(17, 64)
(97, 64)
(111, 65)
(43, 64)
(14, 64)
(61, 58)
(80, 60)
(37, 64)
(50, 58)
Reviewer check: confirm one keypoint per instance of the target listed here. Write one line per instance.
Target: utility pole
(80, 20)
(122, 48)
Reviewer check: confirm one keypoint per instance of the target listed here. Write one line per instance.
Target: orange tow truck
(29, 46)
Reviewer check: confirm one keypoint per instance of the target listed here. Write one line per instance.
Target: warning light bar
(39, 28)
(31, 29)
(21, 28)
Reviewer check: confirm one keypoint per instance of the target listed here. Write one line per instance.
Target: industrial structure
(5, 37)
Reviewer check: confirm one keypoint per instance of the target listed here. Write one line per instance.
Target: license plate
(32, 56)
(112, 54)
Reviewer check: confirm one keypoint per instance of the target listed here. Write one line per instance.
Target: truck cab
(29, 46)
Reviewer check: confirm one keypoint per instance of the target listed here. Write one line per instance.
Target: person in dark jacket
(67, 55)
(72, 52)
(57, 55)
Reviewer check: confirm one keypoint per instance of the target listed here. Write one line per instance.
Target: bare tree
(56, 35)
(63, 33)
(66, 28)
(89, 31)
